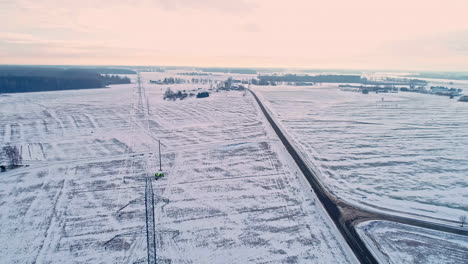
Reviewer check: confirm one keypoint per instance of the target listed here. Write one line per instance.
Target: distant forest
(193, 73)
(289, 78)
(448, 76)
(230, 70)
(36, 79)
(329, 78)
(113, 71)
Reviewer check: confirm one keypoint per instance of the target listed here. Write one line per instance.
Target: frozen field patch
(397, 243)
(406, 152)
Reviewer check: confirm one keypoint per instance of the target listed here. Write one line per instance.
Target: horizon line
(243, 67)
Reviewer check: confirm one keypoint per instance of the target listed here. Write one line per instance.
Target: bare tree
(13, 155)
(462, 219)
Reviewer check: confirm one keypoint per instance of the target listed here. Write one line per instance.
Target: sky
(325, 34)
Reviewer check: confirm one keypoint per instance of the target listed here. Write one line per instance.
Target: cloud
(12, 37)
(226, 6)
(304, 33)
(28, 46)
(451, 43)
(456, 41)
(250, 27)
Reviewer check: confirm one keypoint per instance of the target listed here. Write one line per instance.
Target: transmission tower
(150, 222)
(141, 93)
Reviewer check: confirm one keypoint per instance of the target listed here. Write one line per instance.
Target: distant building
(439, 89)
(442, 90)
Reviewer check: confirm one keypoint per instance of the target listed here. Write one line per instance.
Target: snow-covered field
(406, 152)
(231, 192)
(398, 243)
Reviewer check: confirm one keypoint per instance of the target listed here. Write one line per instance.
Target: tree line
(229, 70)
(29, 79)
(293, 78)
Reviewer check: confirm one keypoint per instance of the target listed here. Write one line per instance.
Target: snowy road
(329, 202)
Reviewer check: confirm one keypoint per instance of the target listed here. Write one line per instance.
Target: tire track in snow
(54, 219)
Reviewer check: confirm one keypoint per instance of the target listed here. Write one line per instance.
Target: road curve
(346, 215)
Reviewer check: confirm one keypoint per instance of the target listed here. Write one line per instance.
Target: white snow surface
(406, 152)
(391, 242)
(231, 193)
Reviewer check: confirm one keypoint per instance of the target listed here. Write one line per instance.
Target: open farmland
(399, 243)
(401, 152)
(230, 195)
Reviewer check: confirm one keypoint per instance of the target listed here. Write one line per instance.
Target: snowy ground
(398, 243)
(231, 193)
(405, 152)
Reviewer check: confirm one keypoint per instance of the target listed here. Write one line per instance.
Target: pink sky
(364, 34)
